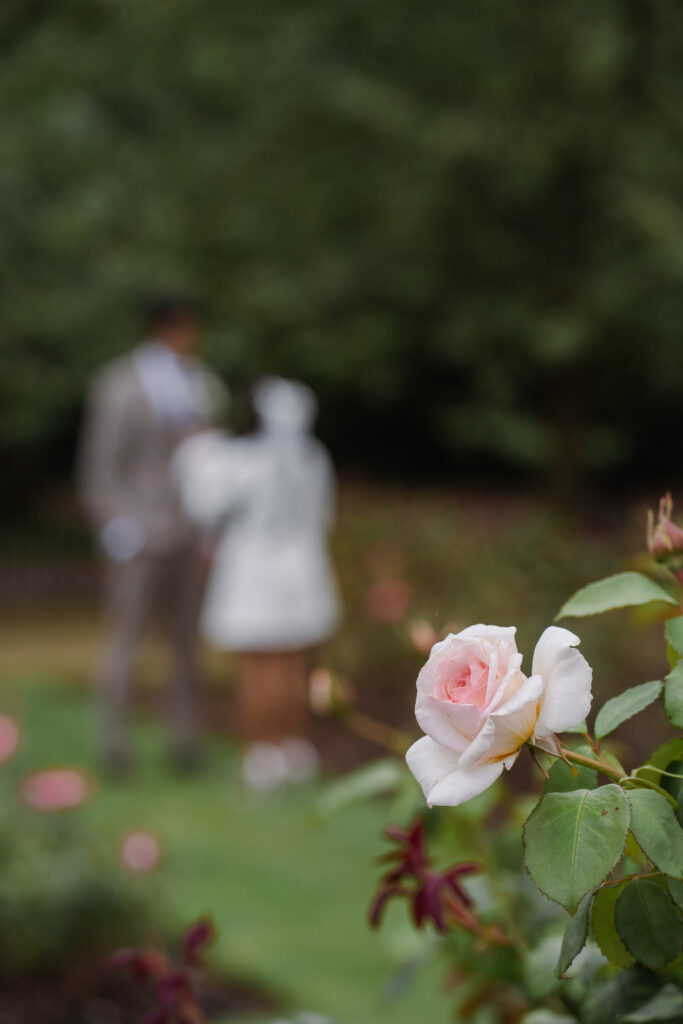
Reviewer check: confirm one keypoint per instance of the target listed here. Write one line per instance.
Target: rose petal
(493, 634)
(443, 782)
(502, 690)
(450, 725)
(505, 731)
(567, 680)
(527, 694)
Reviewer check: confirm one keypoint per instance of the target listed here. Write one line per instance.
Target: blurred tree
(461, 225)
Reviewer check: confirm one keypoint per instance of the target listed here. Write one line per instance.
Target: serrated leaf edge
(614, 963)
(599, 885)
(629, 831)
(590, 895)
(632, 881)
(665, 598)
(651, 682)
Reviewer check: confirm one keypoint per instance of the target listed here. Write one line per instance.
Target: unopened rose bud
(664, 538)
(328, 693)
(422, 635)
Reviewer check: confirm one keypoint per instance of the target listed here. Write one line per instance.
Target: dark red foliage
(434, 896)
(174, 987)
(196, 938)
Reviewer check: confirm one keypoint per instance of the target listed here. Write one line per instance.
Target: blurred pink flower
(55, 789)
(384, 558)
(141, 851)
(387, 600)
(321, 690)
(9, 737)
(329, 693)
(664, 538)
(422, 635)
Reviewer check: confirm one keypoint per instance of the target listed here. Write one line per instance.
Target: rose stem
(590, 762)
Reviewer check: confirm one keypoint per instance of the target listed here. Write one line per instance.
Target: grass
(288, 889)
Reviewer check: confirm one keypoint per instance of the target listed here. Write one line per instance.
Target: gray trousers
(165, 588)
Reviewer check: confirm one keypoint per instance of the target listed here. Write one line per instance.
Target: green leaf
(581, 729)
(672, 656)
(626, 705)
(620, 591)
(605, 929)
(648, 923)
(674, 786)
(663, 756)
(573, 840)
(673, 695)
(607, 999)
(666, 1005)
(656, 828)
(575, 935)
(675, 888)
(561, 778)
(372, 780)
(540, 968)
(673, 630)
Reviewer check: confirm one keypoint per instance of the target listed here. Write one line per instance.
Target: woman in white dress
(271, 594)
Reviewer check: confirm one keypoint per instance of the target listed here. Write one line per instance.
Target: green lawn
(287, 888)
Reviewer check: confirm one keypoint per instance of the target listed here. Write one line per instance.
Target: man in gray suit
(140, 407)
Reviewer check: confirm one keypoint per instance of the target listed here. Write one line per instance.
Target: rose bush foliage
(603, 842)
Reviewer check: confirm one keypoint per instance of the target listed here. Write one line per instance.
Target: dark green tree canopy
(460, 223)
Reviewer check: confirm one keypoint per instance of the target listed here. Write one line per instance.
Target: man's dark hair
(170, 311)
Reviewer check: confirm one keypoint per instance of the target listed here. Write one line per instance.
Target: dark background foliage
(461, 223)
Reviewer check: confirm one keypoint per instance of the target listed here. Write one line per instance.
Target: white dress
(271, 586)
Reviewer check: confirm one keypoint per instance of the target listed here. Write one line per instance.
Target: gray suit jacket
(123, 465)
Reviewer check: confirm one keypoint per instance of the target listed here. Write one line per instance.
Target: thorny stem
(565, 754)
(537, 762)
(628, 878)
(481, 849)
(592, 762)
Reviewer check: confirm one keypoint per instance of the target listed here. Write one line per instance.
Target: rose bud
(422, 635)
(664, 538)
(328, 693)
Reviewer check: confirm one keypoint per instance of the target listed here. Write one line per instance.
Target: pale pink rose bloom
(141, 851)
(9, 737)
(478, 708)
(55, 789)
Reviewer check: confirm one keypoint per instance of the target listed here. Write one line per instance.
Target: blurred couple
(158, 478)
